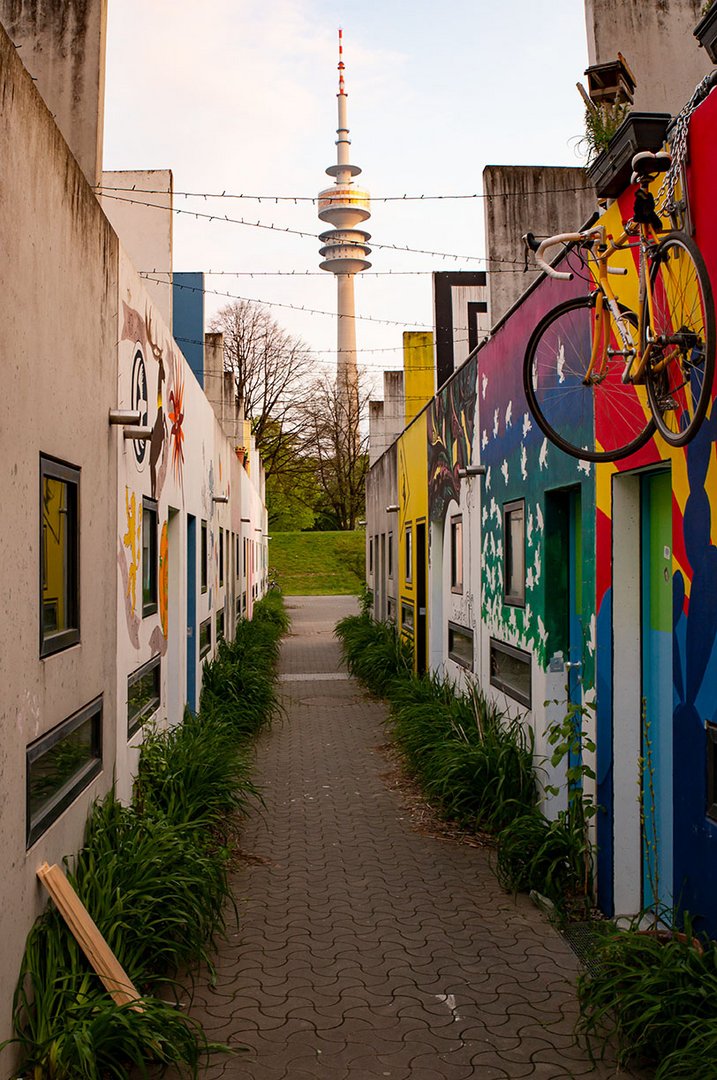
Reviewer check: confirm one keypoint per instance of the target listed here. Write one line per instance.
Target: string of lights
(311, 236)
(407, 324)
(276, 199)
(319, 354)
(318, 273)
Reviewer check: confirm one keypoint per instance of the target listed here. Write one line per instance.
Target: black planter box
(706, 33)
(611, 170)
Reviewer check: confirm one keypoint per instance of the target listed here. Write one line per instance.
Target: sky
(240, 97)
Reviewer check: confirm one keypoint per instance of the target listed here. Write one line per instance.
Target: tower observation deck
(345, 250)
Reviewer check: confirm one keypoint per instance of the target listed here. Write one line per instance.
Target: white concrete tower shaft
(345, 247)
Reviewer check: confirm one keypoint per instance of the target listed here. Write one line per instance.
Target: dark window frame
(370, 555)
(464, 632)
(205, 624)
(204, 555)
(456, 570)
(219, 631)
(221, 557)
(36, 825)
(518, 654)
(51, 643)
(134, 723)
(711, 737)
(149, 506)
(408, 553)
(389, 554)
(510, 508)
(408, 627)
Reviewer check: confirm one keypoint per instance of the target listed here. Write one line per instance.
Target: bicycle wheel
(601, 421)
(681, 364)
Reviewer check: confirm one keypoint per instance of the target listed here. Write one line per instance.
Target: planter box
(706, 33)
(611, 170)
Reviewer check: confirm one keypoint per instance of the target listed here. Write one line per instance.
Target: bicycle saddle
(646, 165)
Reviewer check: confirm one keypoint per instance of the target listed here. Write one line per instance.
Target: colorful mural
(128, 558)
(451, 418)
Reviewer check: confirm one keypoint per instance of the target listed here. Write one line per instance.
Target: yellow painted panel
(418, 372)
(412, 506)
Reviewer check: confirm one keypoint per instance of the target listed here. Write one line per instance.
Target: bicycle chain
(665, 198)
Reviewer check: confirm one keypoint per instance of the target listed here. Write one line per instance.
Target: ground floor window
(205, 637)
(60, 765)
(407, 619)
(143, 694)
(460, 644)
(510, 671)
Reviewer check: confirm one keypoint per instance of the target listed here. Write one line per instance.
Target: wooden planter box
(706, 33)
(611, 170)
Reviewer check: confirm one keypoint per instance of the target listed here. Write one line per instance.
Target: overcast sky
(241, 97)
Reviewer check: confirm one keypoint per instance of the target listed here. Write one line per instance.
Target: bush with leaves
(154, 878)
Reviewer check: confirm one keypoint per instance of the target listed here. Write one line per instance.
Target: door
(421, 590)
(192, 612)
(656, 713)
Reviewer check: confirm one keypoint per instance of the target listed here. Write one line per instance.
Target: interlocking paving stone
(366, 949)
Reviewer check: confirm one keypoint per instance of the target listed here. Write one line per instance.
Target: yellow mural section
(413, 534)
(626, 290)
(418, 372)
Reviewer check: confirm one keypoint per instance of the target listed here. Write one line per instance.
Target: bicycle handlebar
(569, 238)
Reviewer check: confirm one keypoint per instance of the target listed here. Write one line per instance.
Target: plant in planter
(601, 123)
(706, 30)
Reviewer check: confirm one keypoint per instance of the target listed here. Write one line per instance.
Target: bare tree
(272, 371)
(332, 441)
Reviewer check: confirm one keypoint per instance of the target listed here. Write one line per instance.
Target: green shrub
(154, 877)
(374, 652)
(652, 997)
(549, 856)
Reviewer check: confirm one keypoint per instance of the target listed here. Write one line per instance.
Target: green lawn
(318, 563)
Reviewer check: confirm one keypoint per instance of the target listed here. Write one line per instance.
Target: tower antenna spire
(342, 66)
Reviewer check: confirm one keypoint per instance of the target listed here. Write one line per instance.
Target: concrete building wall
(527, 198)
(146, 231)
(382, 535)
(58, 333)
(656, 40)
(62, 45)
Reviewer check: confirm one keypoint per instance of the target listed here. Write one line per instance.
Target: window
(59, 556)
(510, 671)
(460, 645)
(237, 558)
(390, 555)
(409, 554)
(712, 771)
(204, 557)
(205, 637)
(244, 558)
(457, 554)
(390, 609)
(143, 694)
(407, 617)
(370, 556)
(219, 625)
(221, 556)
(514, 553)
(149, 557)
(238, 608)
(60, 765)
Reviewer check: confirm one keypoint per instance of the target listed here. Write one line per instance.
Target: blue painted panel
(188, 319)
(192, 612)
(657, 692)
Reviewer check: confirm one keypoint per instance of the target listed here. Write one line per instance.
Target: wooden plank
(103, 960)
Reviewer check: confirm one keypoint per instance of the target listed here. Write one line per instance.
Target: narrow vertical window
(514, 553)
(221, 556)
(409, 554)
(149, 557)
(59, 556)
(457, 554)
(204, 552)
(370, 556)
(389, 558)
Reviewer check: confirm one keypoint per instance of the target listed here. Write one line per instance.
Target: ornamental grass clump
(374, 652)
(472, 761)
(651, 996)
(154, 878)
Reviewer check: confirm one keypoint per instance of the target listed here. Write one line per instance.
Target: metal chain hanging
(665, 198)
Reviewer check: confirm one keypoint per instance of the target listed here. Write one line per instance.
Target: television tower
(345, 247)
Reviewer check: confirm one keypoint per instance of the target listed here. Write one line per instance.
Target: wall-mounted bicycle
(600, 379)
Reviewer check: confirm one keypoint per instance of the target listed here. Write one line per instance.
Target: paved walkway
(366, 949)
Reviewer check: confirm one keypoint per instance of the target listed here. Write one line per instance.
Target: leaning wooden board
(103, 960)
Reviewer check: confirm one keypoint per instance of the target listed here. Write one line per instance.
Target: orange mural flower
(176, 419)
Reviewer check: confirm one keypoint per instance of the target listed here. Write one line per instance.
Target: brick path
(366, 949)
